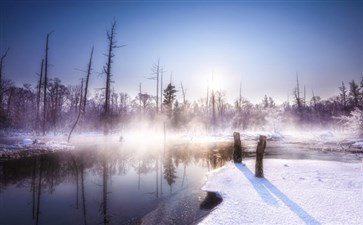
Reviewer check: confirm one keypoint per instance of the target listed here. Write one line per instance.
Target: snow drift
(292, 192)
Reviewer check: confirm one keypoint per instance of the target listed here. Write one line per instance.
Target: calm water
(113, 184)
(122, 184)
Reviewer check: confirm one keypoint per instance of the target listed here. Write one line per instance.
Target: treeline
(51, 106)
(211, 114)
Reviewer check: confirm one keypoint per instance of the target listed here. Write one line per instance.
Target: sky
(261, 45)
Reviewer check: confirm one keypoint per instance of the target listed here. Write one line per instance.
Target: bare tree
(220, 103)
(89, 69)
(343, 95)
(2, 88)
(354, 93)
(239, 101)
(213, 102)
(83, 108)
(39, 90)
(297, 92)
(45, 84)
(184, 93)
(161, 88)
(79, 115)
(112, 44)
(156, 71)
(57, 93)
(144, 99)
(304, 100)
(140, 99)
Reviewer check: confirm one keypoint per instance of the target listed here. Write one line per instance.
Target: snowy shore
(31, 146)
(292, 192)
(326, 141)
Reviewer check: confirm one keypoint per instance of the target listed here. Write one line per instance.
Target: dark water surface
(116, 183)
(111, 184)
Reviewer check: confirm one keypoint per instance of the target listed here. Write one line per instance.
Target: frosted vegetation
(207, 115)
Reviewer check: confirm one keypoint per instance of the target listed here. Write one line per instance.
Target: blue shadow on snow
(267, 191)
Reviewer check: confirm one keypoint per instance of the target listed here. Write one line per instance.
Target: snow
(358, 144)
(27, 141)
(292, 192)
(28, 147)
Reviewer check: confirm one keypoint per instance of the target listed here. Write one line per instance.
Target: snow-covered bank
(30, 147)
(314, 140)
(292, 192)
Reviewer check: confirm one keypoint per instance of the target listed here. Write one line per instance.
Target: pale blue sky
(262, 44)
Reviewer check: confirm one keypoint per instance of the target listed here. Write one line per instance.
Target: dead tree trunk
(213, 111)
(184, 92)
(45, 84)
(38, 97)
(11, 93)
(237, 153)
(1, 78)
(261, 145)
(157, 71)
(161, 89)
(79, 114)
(157, 86)
(107, 70)
(87, 81)
(297, 93)
(110, 55)
(83, 107)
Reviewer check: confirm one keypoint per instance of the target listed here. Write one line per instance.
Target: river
(119, 183)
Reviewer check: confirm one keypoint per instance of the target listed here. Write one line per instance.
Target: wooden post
(261, 145)
(237, 152)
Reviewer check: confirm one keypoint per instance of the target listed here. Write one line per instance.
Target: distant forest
(50, 106)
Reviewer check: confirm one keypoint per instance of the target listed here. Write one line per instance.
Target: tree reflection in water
(169, 169)
(71, 181)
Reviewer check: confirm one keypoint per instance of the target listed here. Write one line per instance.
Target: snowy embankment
(314, 140)
(30, 147)
(292, 192)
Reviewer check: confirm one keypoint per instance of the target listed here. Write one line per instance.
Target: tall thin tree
(240, 96)
(184, 93)
(213, 101)
(161, 88)
(89, 69)
(343, 95)
(39, 91)
(1, 78)
(79, 113)
(112, 44)
(354, 93)
(297, 92)
(155, 70)
(45, 84)
(140, 100)
(83, 106)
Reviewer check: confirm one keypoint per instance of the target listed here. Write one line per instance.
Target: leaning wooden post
(237, 152)
(261, 145)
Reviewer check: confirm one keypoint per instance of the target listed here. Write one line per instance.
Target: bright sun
(214, 79)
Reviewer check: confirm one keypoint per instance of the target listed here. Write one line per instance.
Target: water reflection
(112, 184)
(169, 169)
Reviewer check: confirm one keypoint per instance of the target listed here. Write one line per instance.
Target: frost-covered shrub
(353, 122)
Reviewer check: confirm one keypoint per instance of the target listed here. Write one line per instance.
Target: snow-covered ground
(292, 192)
(32, 146)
